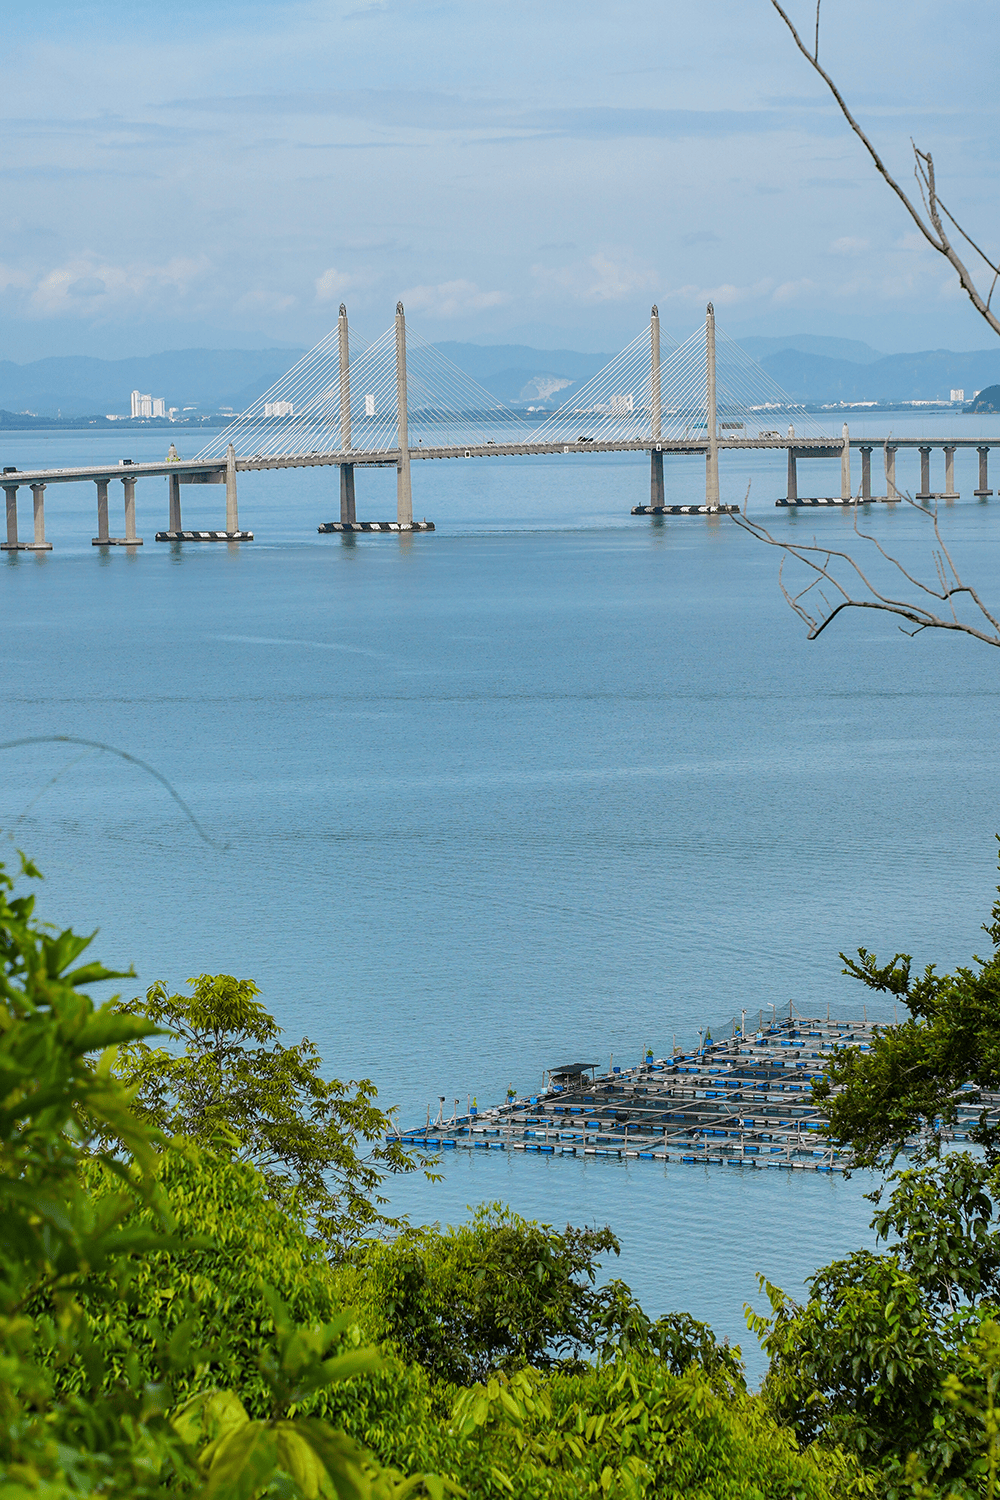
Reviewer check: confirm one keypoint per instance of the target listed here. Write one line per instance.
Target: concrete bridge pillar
(102, 512)
(712, 456)
(984, 477)
(232, 512)
(348, 506)
(128, 485)
(38, 499)
(845, 466)
(891, 493)
(792, 491)
(925, 472)
(174, 507)
(404, 495)
(949, 474)
(656, 491)
(866, 472)
(10, 491)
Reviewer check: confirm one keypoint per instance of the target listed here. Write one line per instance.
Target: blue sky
(226, 173)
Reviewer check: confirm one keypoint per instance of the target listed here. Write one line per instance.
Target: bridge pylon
(404, 494)
(348, 505)
(712, 455)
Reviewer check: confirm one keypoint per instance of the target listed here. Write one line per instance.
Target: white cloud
(601, 278)
(263, 301)
(793, 291)
(87, 285)
(724, 295)
(451, 299)
(848, 245)
(334, 285)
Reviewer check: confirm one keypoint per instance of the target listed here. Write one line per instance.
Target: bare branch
(861, 592)
(933, 231)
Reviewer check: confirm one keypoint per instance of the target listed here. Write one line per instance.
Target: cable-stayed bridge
(399, 400)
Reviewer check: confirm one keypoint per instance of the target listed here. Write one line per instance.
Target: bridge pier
(10, 491)
(12, 544)
(924, 492)
(866, 473)
(174, 505)
(845, 467)
(348, 505)
(792, 489)
(891, 492)
(657, 494)
(131, 540)
(101, 539)
(984, 477)
(404, 494)
(38, 501)
(232, 511)
(950, 493)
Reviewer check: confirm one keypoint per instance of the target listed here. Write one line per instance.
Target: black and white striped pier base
(685, 510)
(204, 536)
(329, 526)
(833, 500)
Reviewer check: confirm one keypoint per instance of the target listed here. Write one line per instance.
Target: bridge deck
(193, 471)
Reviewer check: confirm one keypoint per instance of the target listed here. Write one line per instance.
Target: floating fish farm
(745, 1100)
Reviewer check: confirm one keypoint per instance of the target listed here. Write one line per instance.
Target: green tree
(63, 1116)
(879, 1355)
(495, 1293)
(319, 1143)
(909, 1083)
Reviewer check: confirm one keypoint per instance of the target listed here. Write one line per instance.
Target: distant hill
(986, 401)
(78, 386)
(812, 343)
(928, 376)
(811, 368)
(519, 375)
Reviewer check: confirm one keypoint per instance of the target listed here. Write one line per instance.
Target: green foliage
(495, 1293)
(233, 1247)
(319, 1143)
(51, 1095)
(64, 1118)
(871, 1359)
(631, 1428)
(909, 1082)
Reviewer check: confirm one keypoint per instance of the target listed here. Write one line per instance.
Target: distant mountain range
(205, 379)
(811, 368)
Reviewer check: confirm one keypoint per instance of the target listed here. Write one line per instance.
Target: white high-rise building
(144, 405)
(279, 409)
(958, 395)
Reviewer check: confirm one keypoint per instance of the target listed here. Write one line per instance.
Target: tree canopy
(319, 1143)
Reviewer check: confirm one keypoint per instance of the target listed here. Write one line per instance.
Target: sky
(222, 174)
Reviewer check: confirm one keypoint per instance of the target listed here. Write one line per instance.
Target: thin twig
(73, 739)
(934, 232)
(820, 562)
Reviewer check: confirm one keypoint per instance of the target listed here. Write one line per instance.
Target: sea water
(549, 784)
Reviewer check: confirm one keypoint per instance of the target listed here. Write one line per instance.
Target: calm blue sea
(550, 783)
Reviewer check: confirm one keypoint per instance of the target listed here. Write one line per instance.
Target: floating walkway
(745, 1101)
